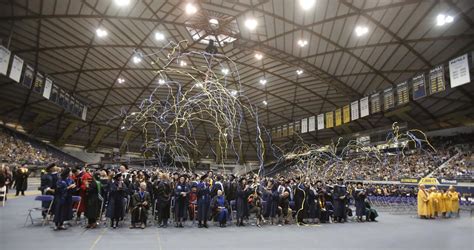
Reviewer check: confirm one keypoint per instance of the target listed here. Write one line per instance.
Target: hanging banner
(437, 81)
(388, 99)
(375, 103)
(84, 113)
(329, 119)
(311, 124)
(355, 110)
(279, 132)
(296, 127)
(39, 84)
(17, 67)
(459, 71)
(48, 85)
(346, 114)
(28, 76)
(338, 115)
(402, 93)
(4, 60)
(364, 107)
(55, 95)
(290, 129)
(419, 88)
(285, 130)
(320, 121)
(304, 125)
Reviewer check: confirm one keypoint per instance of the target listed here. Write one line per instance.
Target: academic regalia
(84, 177)
(219, 206)
(423, 203)
(216, 187)
(21, 180)
(204, 199)
(300, 202)
(340, 201)
(163, 200)
(180, 201)
(230, 190)
(442, 202)
(371, 213)
(453, 200)
(92, 202)
(432, 204)
(314, 211)
(48, 186)
(62, 201)
(140, 204)
(359, 198)
(117, 201)
(242, 203)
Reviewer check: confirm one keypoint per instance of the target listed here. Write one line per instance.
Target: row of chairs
(47, 211)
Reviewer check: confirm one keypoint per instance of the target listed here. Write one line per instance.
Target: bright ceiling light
(122, 3)
(159, 36)
(137, 57)
(120, 80)
(101, 32)
(442, 19)
(198, 85)
(302, 43)
(307, 4)
(225, 71)
(183, 63)
(161, 81)
(360, 31)
(251, 23)
(214, 21)
(265, 102)
(263, 81)
(299, 71)
(258, 56)
(190, 9)
(233, 92)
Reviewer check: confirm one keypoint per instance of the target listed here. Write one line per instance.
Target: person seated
(192, 207)
(219, 206)
(255, 204)
(284, 210)
(370, 213)
(140, 204)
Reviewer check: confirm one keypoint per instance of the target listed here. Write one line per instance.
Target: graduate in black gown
(117, 200)
(181, 197)
(92, 201)
(63, 200)
(359, 197)
(48, 185)
(21, 179)
(163, 200)
(140, 203)
(243, 192)
(204, 200)
(340, 201)
(314, 211)
(301, 201)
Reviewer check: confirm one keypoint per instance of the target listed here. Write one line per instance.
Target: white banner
(304, 125)
(459, 71)
(48, 85)
(311, 124)
(364, 107)
(354, 110)
(320, 121)
(4, 59)
(84, 113)
(17, 67)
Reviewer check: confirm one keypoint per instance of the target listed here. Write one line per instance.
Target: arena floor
(391, 232)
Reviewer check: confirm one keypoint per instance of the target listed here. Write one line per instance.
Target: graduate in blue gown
(340, 201)
(117, 200)
(181, 200)
(203, 202)
(359, 197)
(63, 200)
(220, 205)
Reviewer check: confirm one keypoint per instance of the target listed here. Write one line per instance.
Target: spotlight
(302, 42)
(161, 81)
(258, 56)
(299, 71)
(122, 3)
(251, 23)
(120, 80)
(182, 63)
(159, 36)
(263, 81)
(265, 102)
(190, 9)
(442, 19)
(101, 32)
(307, 4)
(359, 30)
(225, 71)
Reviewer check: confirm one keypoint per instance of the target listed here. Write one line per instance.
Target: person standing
(21, 179)
(453, 200)
(340, 201)
(243, 191)
(92, 202)
(204, 199)
(163, 200)
(359, 197)
(63, 199)
(181, 194)
(116, 208)
(422, 202)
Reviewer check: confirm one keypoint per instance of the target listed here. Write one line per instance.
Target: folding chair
(42, 198)
(76, 199)
(3, 194)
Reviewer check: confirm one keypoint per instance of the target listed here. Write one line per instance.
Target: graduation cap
(204, 177)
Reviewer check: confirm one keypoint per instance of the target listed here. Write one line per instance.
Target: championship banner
(364, 107)
(48, 85)
(375, 103)
(355, 110)
(4, 60)
(279, 132)
(346, 114)
(304, 125)
(402, 93)
(338, 114)
(459, 71)
(419, 88)
(329, 119)
(290, 129)
(28, 76)
(320, 121)
(311, 124)
(17, 67)
(84, 113)
(296, 127)
(38, 85)
(388, 99)
(272, 133)
(284, 130)
(437, 80)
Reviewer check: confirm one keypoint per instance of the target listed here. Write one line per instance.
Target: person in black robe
(314, 211)
(340, 201)
(301, 204)
(371, 213)
(181, 196)
(204, 199)
(48, 184)
(243, 192)
(92, 202)
(272, 199)
(21, 180)
(220, 206)
(117, 200)
(140, 204)
(63, 200)
(359, 198)
(163, 200)
(216, 186)
(230, 188)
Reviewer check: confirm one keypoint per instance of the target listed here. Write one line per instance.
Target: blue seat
(41, 198)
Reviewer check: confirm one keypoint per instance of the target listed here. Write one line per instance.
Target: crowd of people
(433, 202)
(187, 196)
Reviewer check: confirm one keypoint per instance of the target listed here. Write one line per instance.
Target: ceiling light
(359, 30)
(233, 92)
(442, 19)
(122, 2)
(224, 134)
(214, 21)
(225, 71)
(307, 4)
(159, 36)
(161, 81)
(258, 56)
(251, 23)
(299, 71)
(137, 58)
(265, 103)
(134, 113)
(198, 85)
(190, 9)
(263, 81)
(182, 63)
(302, 43)
(101, 32)
(123, 127)
(120, 80)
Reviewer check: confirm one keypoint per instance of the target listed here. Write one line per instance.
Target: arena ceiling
(403, 39)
